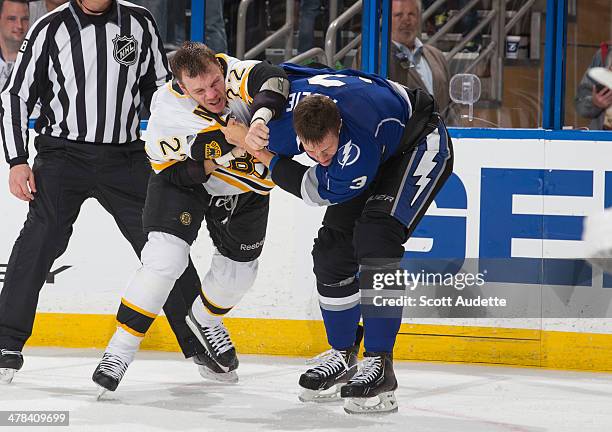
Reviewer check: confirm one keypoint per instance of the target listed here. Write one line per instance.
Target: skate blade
(6, 375)
(227, 377)
(101, 392)
(384, 403)
(330, 395)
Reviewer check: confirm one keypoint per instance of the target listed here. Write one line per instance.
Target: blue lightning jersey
(374, 112)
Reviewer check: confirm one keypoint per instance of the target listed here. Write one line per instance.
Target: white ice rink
(162, 392)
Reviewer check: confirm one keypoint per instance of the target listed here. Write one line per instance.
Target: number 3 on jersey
(359, 182)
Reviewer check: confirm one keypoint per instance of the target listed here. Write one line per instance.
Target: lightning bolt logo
(346, 154)
(426, 165)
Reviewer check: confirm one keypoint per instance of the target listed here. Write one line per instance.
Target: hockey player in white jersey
(199, 176)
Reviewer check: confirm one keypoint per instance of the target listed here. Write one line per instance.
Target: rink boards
(508, 198)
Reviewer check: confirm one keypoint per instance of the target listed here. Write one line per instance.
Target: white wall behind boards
(561, 178)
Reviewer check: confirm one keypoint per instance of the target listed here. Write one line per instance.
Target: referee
(93, 65)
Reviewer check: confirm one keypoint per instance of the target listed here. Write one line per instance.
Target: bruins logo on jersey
(212, 150)
(185, 218)
(248, 165)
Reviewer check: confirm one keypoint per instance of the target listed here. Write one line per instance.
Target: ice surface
(161, 391)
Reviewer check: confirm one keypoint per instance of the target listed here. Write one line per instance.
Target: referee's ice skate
(109, 372)
(220, 361)
(10, 362)
(371, 390)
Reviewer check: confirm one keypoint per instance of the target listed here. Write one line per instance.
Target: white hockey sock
(223, 287)
(124, 345)
(202, 316)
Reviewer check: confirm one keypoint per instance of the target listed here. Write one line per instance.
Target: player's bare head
(316, 120)
(193, 59)
(314, 117)
(200, 75)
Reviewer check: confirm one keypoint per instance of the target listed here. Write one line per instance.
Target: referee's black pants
(66, 174)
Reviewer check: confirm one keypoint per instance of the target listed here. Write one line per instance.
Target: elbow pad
(271, 99)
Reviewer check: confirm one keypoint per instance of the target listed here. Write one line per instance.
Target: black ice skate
(210, 369)
(220, 361)
(109, 373)
(335, 367)
(10, 362)
(371, 390)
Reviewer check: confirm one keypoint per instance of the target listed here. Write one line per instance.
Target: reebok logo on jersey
(348, 154)
(246, 247)
(125, 50)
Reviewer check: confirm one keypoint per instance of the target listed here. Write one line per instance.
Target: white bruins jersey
(177, 120)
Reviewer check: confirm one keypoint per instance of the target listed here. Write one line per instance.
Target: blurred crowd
(413, 61)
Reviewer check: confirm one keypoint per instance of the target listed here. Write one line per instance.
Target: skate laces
(112, 366)
(8, 352)
(218, 338)
(329, 362)
(370, 369)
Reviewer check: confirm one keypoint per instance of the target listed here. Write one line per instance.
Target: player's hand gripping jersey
(179, 129)
(374, 112)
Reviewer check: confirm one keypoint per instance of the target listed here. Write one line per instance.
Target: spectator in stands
(215, 36)
(14, 25)
(39, 8)
(159, 10)
(177, 15)
(413, 64)
(309, 11)
(595, 101)
(467, 24)
(168, 17)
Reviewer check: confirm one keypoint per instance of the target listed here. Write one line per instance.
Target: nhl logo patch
(125, 50)
(212, 150)
(185, 218)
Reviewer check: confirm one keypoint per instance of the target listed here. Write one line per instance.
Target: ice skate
(10, 363)
(334, 368)
(210, 369)
(109, 372)
(371, 390)
(220, 361)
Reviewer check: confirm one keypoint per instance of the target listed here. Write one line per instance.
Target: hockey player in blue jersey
(382, 154)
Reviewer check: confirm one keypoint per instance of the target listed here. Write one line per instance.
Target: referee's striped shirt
(91, 74)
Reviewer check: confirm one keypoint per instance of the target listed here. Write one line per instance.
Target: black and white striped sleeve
(21, 93)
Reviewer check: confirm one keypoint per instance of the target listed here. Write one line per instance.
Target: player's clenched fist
(258, 136)
(235, 132)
